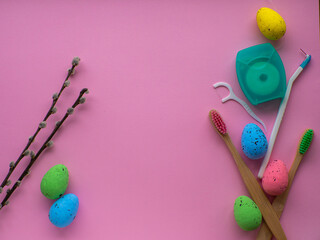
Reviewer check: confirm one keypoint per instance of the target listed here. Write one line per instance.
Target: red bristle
(218, 122)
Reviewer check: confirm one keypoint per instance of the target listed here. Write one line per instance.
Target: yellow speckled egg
(270, 23)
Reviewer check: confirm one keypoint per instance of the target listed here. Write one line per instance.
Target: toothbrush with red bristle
(253, 187)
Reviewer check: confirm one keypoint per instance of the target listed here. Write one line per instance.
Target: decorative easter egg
(253, 141)
(246, 213)
(55, 182)
(64, 210)
(270, 23)
(275, 178)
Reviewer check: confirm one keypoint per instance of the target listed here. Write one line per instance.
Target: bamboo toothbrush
(280, 201)
(250, 181)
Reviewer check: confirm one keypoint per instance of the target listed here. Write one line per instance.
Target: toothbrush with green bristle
(279, 201)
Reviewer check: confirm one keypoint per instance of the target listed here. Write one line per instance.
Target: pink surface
(142, 155)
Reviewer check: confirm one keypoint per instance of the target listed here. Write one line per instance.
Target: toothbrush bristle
(306, 141)
(217, 121)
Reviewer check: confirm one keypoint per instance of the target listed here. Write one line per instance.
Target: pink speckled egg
(275, 178)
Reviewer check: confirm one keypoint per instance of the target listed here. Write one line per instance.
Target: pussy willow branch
(51, 111)
(45, 145)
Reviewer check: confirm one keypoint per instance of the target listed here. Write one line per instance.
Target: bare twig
(52, 110)
(46, 144)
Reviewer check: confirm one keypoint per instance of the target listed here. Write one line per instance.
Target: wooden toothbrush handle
(280, 201)
(256, 192)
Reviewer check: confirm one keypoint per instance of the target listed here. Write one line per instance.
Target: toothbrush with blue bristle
(280, 114)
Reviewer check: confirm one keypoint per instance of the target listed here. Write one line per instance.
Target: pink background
(143, 158)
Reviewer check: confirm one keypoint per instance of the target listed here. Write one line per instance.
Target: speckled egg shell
(64, 210)
(275, 178)
(253, 141)
(246, 213)
(55, 182)
(270, 23)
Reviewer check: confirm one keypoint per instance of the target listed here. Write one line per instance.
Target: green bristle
(306, 141)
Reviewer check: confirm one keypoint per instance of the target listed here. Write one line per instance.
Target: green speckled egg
(246, 213)
(55, 182)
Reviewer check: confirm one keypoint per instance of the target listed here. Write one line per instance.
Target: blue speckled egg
(64, 210)
(253, 141)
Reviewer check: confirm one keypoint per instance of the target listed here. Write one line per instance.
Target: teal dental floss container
(261, 73)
